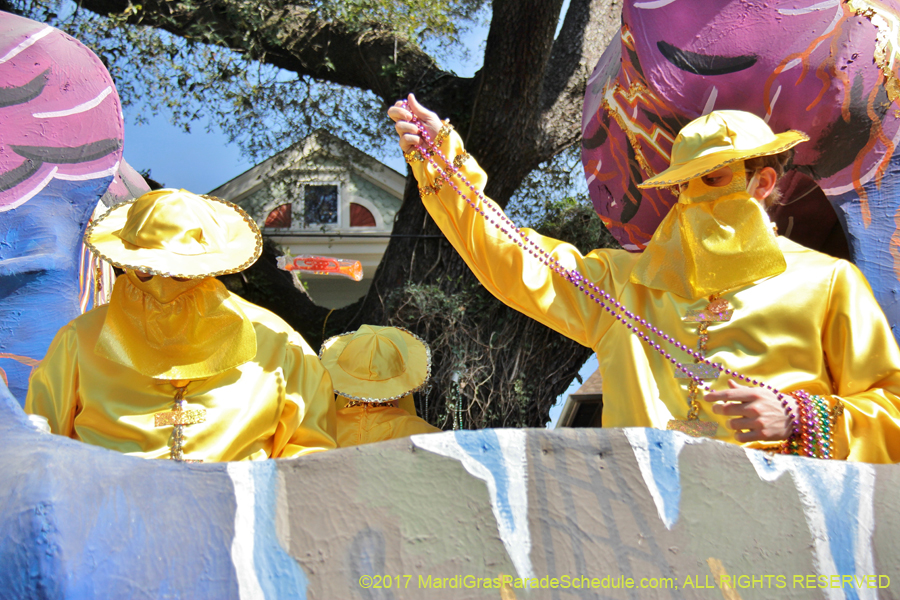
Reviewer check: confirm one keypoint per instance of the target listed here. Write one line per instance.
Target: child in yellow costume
(716, 279)
(375, 371)
(175, 366)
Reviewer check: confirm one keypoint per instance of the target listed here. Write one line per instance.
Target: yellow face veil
(163, 289)
(713, 239)
(168, 329)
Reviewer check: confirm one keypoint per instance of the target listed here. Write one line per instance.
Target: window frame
(339, 212)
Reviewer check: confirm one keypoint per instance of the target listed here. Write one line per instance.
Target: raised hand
(406, 129)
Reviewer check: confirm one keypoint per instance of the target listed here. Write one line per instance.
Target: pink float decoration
(50, 112)
(60, 148)
(828, 68)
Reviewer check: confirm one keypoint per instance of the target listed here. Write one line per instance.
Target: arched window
(280, 217)
(360, 216)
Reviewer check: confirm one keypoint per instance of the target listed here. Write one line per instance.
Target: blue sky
(201, 161)
(196, 161)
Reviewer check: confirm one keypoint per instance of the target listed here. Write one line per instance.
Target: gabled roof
(592, 386)
(322, 142)
(584, 407)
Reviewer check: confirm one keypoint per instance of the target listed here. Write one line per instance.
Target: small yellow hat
(175, 233)
(718, 139)
(376, 364)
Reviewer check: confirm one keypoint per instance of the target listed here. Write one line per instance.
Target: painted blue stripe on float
(656, 452)
(280, 576)
(837, 500)
(664, 451)
(483, 446)
(840, 506)
(498, 458)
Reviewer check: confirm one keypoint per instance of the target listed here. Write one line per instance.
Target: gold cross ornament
(180, 417)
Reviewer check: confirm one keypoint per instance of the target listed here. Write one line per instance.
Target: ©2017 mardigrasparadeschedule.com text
(609, 582)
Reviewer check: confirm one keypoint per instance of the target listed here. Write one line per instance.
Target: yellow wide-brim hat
(376, 364)
(175, 233)
(720, 138)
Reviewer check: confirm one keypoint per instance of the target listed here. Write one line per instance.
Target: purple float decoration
(827, 68)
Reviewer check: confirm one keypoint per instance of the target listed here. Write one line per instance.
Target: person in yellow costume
(175, 366)
(375, 371)
(717, 279)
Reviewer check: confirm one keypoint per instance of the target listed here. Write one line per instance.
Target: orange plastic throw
(322, 265)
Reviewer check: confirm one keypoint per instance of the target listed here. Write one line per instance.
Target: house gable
(323, 197)
(318, 160)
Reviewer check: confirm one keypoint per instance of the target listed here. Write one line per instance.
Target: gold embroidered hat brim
(413, 379)
(242, 248)
(703, 165)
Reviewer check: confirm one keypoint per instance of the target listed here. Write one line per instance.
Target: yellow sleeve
(308, 418)
(863, 359)
(504, 266)
(53, 387)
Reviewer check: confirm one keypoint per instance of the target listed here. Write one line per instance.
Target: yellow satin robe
(815, 327)
(365, 424)
(279, 404)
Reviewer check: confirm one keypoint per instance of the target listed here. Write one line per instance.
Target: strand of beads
(499, 220)
(813, 433)
(641, 326)
(826, 440)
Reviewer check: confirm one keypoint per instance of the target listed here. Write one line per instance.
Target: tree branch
(529, 102)
(516, 54)
(586, 31)
(295, 38)
(507, 109)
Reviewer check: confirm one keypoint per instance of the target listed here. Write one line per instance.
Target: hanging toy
(322, 265)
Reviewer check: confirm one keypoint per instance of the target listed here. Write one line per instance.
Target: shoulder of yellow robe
(795, 251)
(264, 319)
(265, 322)
(812, 269)
(89, 323)
(358, 425)
(617, 258)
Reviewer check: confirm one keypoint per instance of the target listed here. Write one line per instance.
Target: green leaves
(419, 21)
(219, 65)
